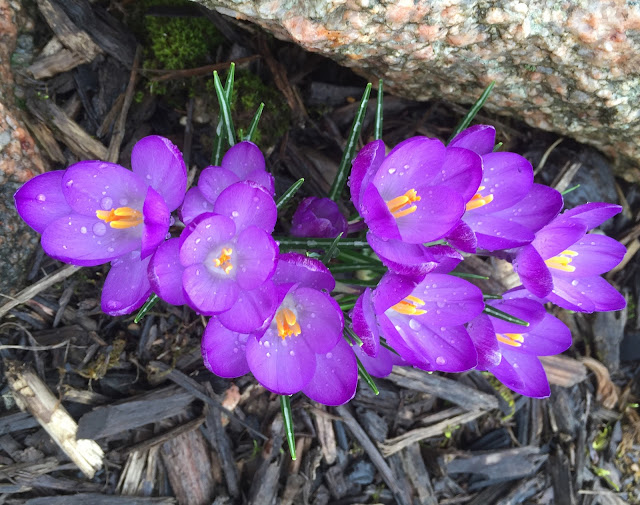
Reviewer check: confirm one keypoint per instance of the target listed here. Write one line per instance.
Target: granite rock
(20, 160)
(569, 66)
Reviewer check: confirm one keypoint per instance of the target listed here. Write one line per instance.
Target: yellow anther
(121, 218)
(287, 323)
(478, 200)
(512, 339)
(398, 205)
(561, 262)
(224, 260)
(408, 306)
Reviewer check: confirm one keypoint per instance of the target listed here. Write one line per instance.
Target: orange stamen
(478, 200)
(224, 260)
(121, 218)
(561, 262)
(512, 339)
(398, 205)
(287, 323)
(408, 306)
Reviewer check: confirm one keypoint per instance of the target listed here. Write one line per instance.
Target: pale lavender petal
(522, 373)
(40, 201)
(156, 222)
(533, 271)
(494, 233)
(479, 138)
(89, 186)
(401, 257)
(380, 366)
(397, 342)
(165, 272)
(549, 337)
(484, 339)
(364, 167)
(462, 237)
(214, 180)
(208, 293)
(283, 366)
(319, 317)
(159, 163)
(365, 325)
(596, 254)
(461, 171)
(243, 158)
(252, 310)
(528, 310)
(87, 241)
(593, 214)
(413, 162)
(264, 179)
(194, 205)
(126, 287)
(248, 205)
(587, 294)
(309, 272)
(210, 233)
(535, 210)
(223, 350)
(336, 376)
(391, 289)
(558, 236)
(255, 260)
(506, 176)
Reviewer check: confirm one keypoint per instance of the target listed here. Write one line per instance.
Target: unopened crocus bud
(318, 217)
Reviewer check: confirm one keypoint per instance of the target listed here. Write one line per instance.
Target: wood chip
(33, 395)
(563, 371)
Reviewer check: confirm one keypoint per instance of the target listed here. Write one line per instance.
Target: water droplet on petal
(123, 201)
(414, 325)
(69, 183)
(267, 343)
(198, 240)
(574, 282)
(235, 213)
(292, 353)
(329, 355)
(440, 360)
(41, 197)
(392, 171)
(83, 230)
(235, 350)
(99, 228)
(268, 355)
(110, 249)
(106, 203)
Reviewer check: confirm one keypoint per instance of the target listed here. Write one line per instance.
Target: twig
(194, 72)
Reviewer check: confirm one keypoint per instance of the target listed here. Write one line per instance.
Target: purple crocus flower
(222, 261)
(243, 162)
(301, 349)
(95, 212)
(423, 321)
(318, 217)
(507, 208)
(563, 264)
(510, 351)
(415, 194)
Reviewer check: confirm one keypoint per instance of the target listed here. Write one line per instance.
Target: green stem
(466, 121)
(498, 314)
(287, 416)
(151, 301)
(318, 243)
(377, 132)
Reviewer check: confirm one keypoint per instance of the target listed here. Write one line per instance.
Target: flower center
(561, 262)
(224, 260)
(512, 339)
(120, 218)
(401, 205)
(408, 306)
(478, 200)
(287, 324)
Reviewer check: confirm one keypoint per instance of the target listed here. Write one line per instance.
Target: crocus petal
(401, 257)
(391, 289)
(438, 212)
(336, 376)
(413, 162)
(214, 180)
(252, 310)
(506, 176)
(558, 236)
(156, 222)
(208, 293)
(194, 204)
(522, 373)
(223, 350)
(320, 319)
(40, 201)
(461, 171)
(596, 254)
(593, 214)
(243, 158)
(536, 209)
(89, 186)
(375, 212)
(380, 366)
(165, 272)
(484, 339)
(364, 167)
(283, 366)
(533, 271)
(462, 237)
(209, 233)
(126, 287)
(308, 272)
(248, 205)
(256, 254)
(87, 241)
(586, 294)
(528, 310)
(318, 217)
(495, 233)
(479, 138)
(159, 162)
(550, 336)
(364, 324)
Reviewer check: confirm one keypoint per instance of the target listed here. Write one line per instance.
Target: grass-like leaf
(498, 314)
(569, 190)
(362, 371)
(254, 123)
(465, 275)
(220, 137)
(350, 148)
(287, 416)
(356, 266)
(225, 109)
(466, 121)
(377, 132)
(288, 194)
(318, 243)
(331, 252)
(151, 301)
